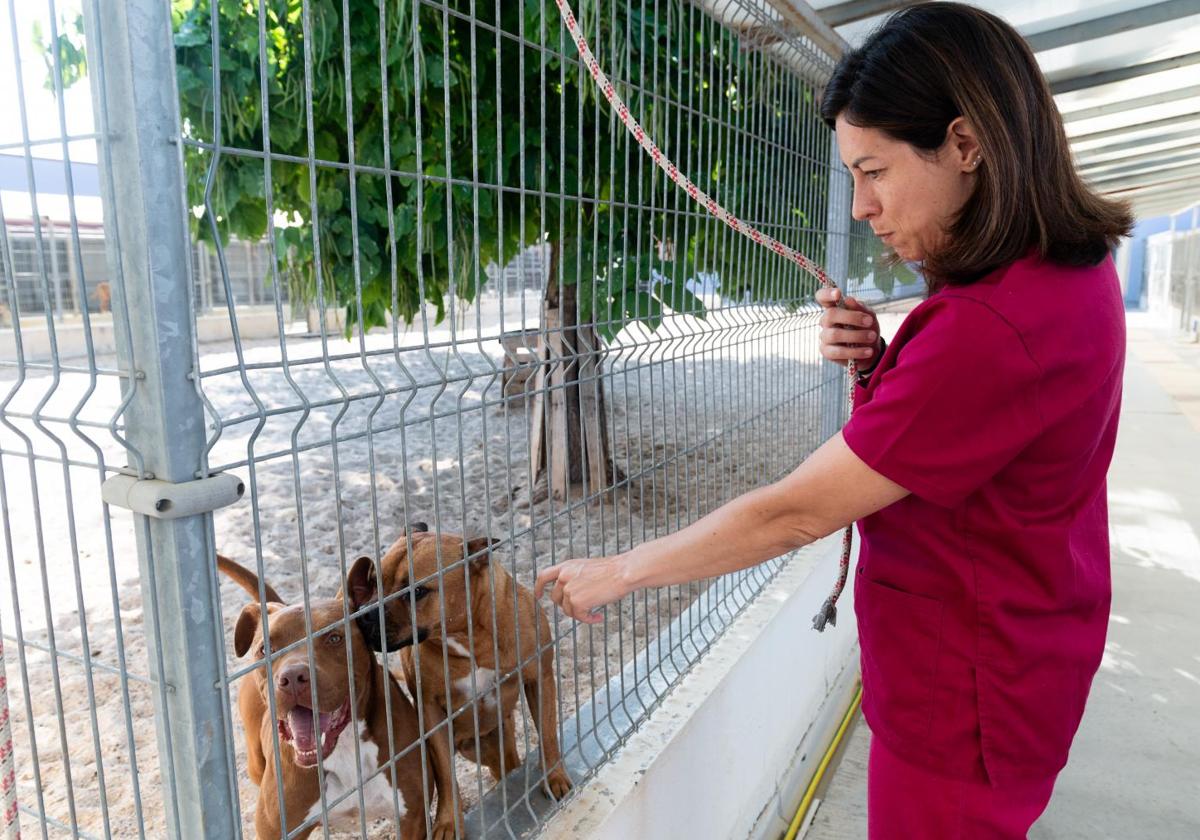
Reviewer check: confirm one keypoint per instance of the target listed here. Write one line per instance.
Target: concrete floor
(1134, 772)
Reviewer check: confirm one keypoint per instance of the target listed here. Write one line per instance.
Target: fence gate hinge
(171, 500)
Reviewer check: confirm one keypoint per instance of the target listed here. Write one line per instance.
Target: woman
(975, 459)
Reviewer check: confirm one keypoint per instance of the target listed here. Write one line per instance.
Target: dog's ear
(478, 550)
(360, 581)
(417, 527)
(247, 628)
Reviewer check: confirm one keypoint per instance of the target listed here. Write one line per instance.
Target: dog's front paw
(558, 783)
(443, 829)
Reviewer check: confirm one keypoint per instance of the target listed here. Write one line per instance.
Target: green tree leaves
(409, 147)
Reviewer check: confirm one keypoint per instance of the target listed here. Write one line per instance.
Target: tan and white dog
(348, 730)
(497, 642)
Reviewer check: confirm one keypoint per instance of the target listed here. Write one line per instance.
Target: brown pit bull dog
(306, 731)
(471, 657)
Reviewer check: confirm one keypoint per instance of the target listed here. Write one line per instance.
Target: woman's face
(909, 199)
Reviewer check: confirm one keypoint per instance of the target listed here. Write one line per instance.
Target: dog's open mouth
(309, 732)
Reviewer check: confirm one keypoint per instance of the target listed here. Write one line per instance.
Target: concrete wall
(253, 322)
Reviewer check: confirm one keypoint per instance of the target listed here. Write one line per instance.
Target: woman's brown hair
(932, 63)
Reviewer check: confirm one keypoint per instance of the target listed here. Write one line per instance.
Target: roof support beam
(1121, 74)
(1144, 167)
(1159, 190)
(805, 20)
(856, 10)
(1110, 108)
(1102, 27)
(1170, 206)
(1167, 208)
(1167, 205)
(1165, 173)
(1165, 179)
(1176, 197)
(1186, 131)
(1137, 127)
(1170, 203)
(1157, 200)
(1092, 167)
(1153, 192)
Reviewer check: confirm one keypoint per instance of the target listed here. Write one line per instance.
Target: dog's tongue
(301, 721)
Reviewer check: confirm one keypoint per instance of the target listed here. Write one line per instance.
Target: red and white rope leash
(8, 775)
(828, 613)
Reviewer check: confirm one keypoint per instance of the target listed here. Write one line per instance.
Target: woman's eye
(873, 174)
(335, 638)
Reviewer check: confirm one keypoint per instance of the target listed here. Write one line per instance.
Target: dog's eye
(420, 592)
(260, 652)
(335, 638)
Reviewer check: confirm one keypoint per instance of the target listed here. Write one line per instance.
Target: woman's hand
(581, 587)
(849, 332)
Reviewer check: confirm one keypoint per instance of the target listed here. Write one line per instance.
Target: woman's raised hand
(848, 332)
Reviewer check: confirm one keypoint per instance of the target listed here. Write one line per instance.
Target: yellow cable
(802, 811)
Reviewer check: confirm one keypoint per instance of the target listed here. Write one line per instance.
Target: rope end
(827, 615)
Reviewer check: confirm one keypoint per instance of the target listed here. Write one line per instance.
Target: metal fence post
(55, 273)
(837, 223)
(837, 217)
(131, 59)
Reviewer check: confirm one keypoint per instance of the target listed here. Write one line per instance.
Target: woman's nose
(864, 205)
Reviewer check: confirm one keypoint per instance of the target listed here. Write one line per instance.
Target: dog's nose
(294, 680)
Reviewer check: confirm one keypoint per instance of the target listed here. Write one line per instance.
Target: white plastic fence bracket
(168, 500)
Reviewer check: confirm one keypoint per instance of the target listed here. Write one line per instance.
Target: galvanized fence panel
(562, 355)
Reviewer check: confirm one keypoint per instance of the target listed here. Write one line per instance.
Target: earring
(975, 163)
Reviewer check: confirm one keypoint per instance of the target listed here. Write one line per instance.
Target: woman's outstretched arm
(832, 488)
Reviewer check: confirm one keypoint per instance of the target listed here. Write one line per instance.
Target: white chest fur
(344, 772)
(484, 685)
(478, 682)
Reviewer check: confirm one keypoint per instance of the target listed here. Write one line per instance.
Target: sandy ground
(699, 411)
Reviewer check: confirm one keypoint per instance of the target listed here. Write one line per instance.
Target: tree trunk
(569, 435)
(313, 316)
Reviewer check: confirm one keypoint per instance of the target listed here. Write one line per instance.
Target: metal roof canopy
(1125, 75)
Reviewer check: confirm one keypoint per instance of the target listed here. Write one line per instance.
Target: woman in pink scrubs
(975, 459)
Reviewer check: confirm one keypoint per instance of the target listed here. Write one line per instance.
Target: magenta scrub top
(983, 597)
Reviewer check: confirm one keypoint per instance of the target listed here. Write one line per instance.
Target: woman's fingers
(843, 343)
(831, 298)
(577, 587)
(577, 613)
(847, 318)
(849, 332)
(856, 305)
(859, 338)
(546, 576)
(838, 353)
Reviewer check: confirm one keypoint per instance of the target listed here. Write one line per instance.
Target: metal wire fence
(538, 348)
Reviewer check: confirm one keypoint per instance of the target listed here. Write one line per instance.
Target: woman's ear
(962, 144)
